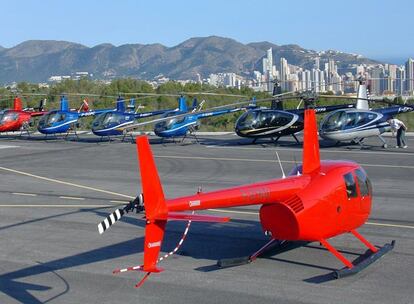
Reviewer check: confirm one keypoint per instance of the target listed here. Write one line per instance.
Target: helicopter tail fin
(362, 103)
(311, 155)
(42, 105)
(195, 104)
(155, 207)
(64, 105)
(156, 210)
(120, 104)
(131, 105)
(182, 104)
(17, 104)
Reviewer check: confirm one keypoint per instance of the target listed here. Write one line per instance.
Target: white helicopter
(356, 124)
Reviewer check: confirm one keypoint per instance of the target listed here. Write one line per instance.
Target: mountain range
(37, 60)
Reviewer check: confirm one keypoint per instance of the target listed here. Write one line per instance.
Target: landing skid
(190, 133)
(351, 268)
(275, 140)
(25, 128)
(297, 140)
(360, 142)
(384, 143)
(251, 258)
(72, 128)
(126, 134)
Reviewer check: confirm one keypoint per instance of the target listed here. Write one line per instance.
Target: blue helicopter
(65, 119)
(184, 123)
(112, 123)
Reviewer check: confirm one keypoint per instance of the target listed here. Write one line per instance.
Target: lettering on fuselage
(404, 109)
(255, 195)
(88, 113)
(317, 110)
(154, 244)
(194, 203)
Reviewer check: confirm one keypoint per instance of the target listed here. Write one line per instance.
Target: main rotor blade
(232, 105)
(369, 99)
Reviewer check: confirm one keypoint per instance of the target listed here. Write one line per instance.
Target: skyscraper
(268, 63)
(284, 72)
(400, 80)
(377, 75)
(409, 75)
(270, 60)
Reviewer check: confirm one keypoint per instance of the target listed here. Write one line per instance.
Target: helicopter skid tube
(344, 272)
(231, 262)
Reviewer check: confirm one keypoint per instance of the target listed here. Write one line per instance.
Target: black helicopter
(276, 122)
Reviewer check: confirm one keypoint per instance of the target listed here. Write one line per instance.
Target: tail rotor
(137, 204)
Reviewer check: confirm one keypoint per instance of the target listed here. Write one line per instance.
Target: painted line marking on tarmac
(389, 225)
(119, 202)
(8, 147)
(65, 183)
(265, 160)
(24, 194)
(368, 223)
(300, 150)
(72, 198)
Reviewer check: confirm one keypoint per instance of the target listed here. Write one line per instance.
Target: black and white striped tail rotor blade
(110, 220)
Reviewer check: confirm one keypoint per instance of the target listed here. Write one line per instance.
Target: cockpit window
(351, 190)
(263, 119)
(54, 117)
(334, 122)
(6, 117)
(9, 117)
(364, 183)
(107, 119)
(344, 120)
(168, 124)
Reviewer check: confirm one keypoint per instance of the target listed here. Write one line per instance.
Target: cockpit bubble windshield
(107, 119)
(263, 119)
(168, 124)
(51, 118)
(344, 120)
(7, 117)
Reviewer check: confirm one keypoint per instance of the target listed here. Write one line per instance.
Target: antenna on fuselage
(296, 165)
(280, 164)
(362, 102)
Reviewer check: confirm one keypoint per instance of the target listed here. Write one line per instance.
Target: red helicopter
(317, 201)
(17, 119)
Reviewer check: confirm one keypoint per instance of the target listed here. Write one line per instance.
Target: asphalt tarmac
(54, 192)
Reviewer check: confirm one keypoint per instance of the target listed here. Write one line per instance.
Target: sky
(380, 29)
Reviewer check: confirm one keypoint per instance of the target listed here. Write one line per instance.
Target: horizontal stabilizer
(178, 216)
